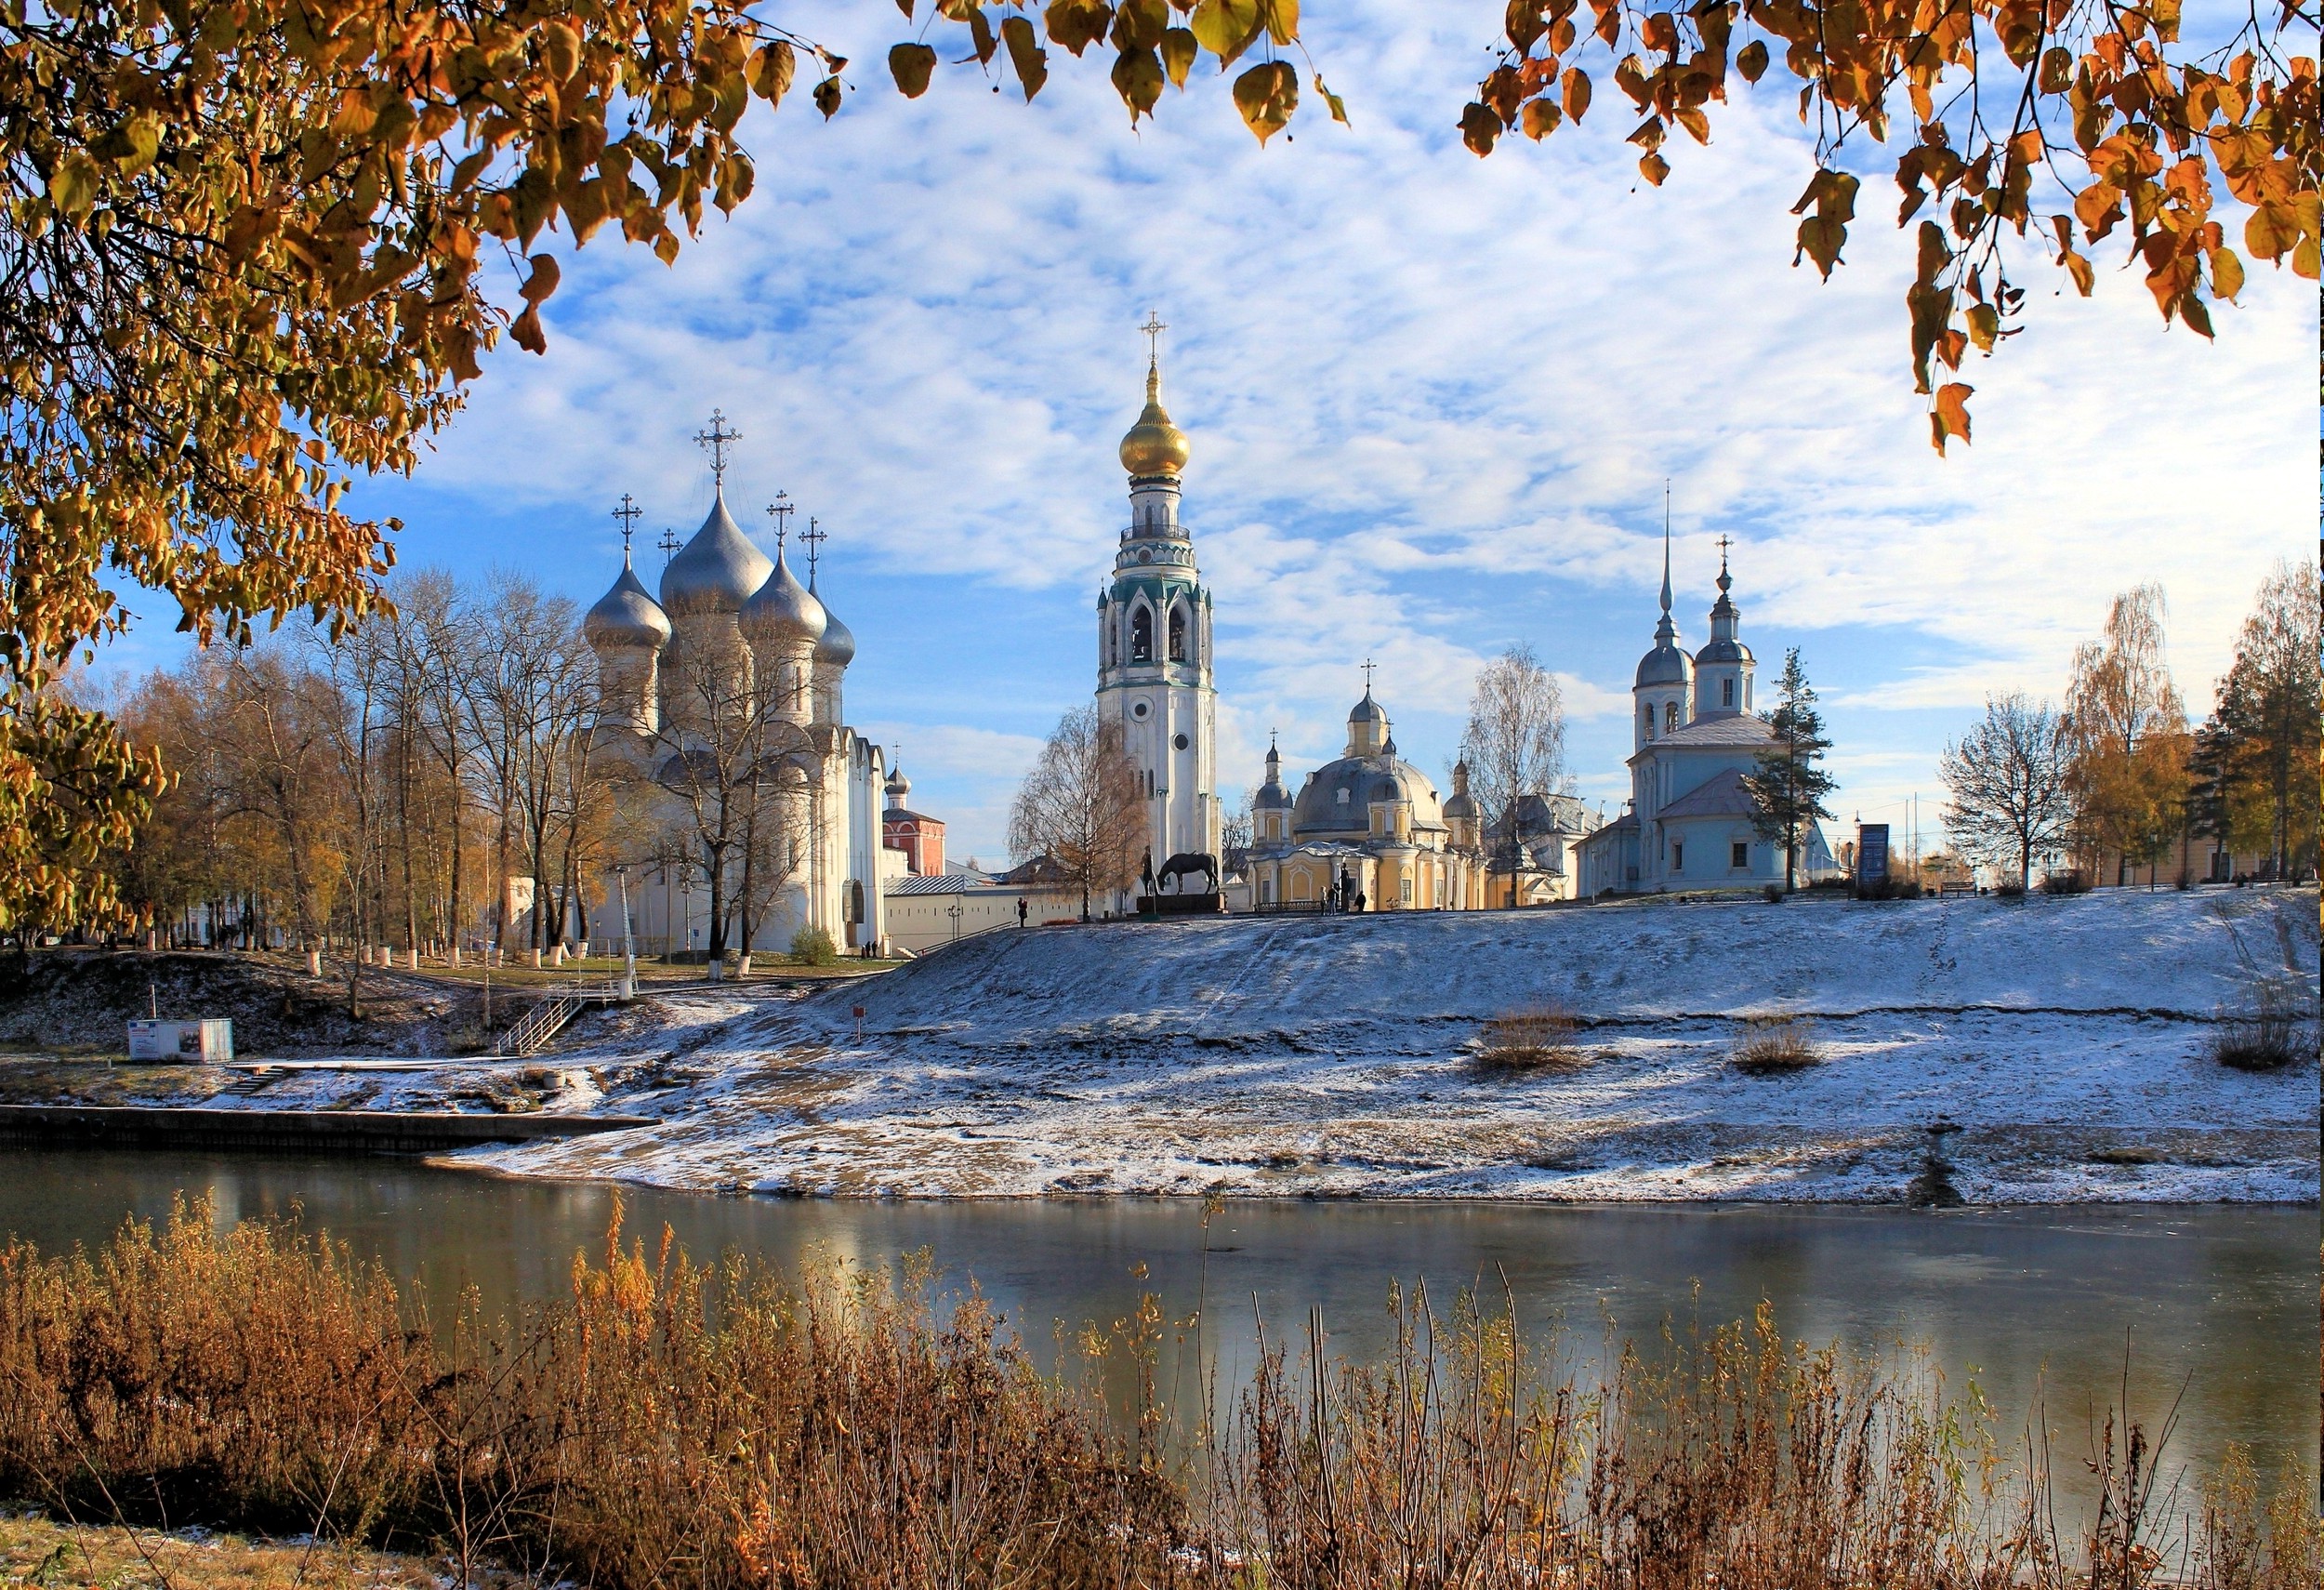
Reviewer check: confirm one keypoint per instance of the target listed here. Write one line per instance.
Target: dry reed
(1772, 1045)
(1539, 1038)
(718, 1427)
(2269, 1035)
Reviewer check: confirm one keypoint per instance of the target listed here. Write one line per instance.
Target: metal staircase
(545, 1021)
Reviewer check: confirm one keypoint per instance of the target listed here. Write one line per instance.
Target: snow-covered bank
(1334, 1057)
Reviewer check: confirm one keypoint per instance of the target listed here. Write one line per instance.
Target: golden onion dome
(1153, 446)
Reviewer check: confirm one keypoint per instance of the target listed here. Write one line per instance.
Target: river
(2212, 1306)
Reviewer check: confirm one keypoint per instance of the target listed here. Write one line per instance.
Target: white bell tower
(1153, 639)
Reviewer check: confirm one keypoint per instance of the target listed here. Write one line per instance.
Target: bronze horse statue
(1187, 863)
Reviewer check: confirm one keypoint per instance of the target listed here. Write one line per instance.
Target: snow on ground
(1336, 1057)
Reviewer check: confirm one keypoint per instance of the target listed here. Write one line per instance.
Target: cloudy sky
(1434, 402)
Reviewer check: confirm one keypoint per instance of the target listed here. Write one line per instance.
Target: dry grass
(722, 1428)
(40, 1552)
(2270, 1034)
(1537, 1038)
(1772, 1045)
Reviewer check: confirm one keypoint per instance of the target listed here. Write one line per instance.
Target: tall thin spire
(1666, 546)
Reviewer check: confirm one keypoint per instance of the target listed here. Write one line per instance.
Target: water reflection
(2217, 1300)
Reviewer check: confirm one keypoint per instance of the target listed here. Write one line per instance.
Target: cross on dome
(715, 441)
(669, 543)
(1153, 329)
(780, 511)
(1369, 667)
(628, 513)
(814, 535)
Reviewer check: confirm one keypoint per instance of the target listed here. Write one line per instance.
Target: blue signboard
(1871, 852)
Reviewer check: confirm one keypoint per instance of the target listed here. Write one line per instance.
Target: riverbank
(2062, 1048)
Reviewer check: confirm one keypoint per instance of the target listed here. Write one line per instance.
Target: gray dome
(716, 571)
(1368, 711)
(1723, 652)
(1271, 798)
(784, 610)
(837, 649)
(1367, 779)
(1459, 805)
(1667, 664)
(625, 617)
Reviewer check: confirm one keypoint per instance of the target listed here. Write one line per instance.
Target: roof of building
(781, 609)
(837, 649)
(934, 883)
(1367, 779)
(1723, 796)
(1720, 729)
(625, 616)
(716, 570)
(899, 813)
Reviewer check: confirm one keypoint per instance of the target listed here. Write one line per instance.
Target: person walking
(1022, 911)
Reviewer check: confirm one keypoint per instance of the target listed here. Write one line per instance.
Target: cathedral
(1694, 735)
(1154, 642)
(1365, 833)
(721, 702)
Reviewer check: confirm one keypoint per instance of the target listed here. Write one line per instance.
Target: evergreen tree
(1788, 790)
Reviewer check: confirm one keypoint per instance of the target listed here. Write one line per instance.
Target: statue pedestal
(1181, 905)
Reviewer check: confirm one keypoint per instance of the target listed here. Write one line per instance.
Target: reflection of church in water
(733, 678)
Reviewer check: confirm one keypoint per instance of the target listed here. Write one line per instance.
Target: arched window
(1726, 692)
(1650, 719)
(1266, 891)
(1669, 717)
(1178, 631)
(1141, 635)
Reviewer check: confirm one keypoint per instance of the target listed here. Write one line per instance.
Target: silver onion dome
(837, 649)
(783, 609)
(715, 572)
(625, 617)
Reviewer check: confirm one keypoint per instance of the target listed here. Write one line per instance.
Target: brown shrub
(1771, 1046)
(1539, 1038)
(2270, 1034)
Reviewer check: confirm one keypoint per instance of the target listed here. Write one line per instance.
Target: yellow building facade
(1365, 833)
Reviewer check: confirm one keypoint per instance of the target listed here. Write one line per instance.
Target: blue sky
(1433, 401)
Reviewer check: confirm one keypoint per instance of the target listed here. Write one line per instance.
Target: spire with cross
(670, 545)
(1369, 667)
(814, 535)
(1153, 329)
(780, 511)
(715, 441)
(628, 514)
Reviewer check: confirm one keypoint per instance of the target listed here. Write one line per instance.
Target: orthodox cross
(1369, 667)
(1724, 545)
(628, 513)
(814, 535)
(780, 511)
(715, 441)
(668, 543)
(1153, 329)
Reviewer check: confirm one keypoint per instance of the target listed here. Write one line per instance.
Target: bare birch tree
(1515, 746)
(1081, 806)
(2011, 785)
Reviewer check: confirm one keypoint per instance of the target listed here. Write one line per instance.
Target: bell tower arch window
(1178, 631)
(1141, 634)
(1669, 717)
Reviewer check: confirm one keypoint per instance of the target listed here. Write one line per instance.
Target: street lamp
(955, 910)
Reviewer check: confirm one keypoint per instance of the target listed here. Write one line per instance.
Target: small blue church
(1694, 735)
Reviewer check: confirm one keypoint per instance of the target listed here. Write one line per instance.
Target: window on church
(1141, 635)
(1178, 632)
(1678, 856)
(1343, 796)
(1650, 720)
(1266, 891)
(1406, 892)
(1742, 854)
(1726, 692)
(1669, 717)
